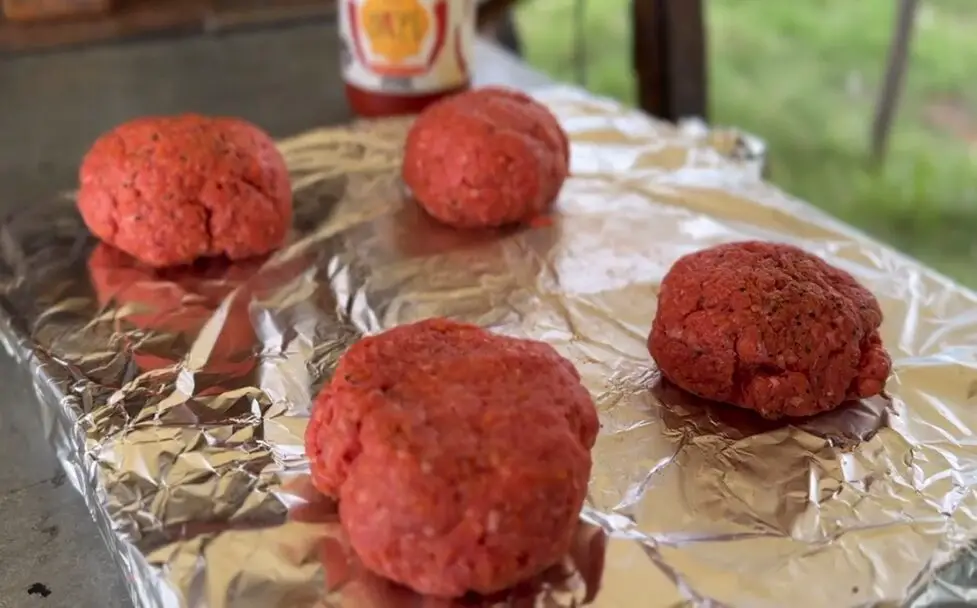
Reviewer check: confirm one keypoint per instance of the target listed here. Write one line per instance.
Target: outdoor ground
(803, 75)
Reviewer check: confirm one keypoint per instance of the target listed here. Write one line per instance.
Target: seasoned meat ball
(543, 125)
(486, 158)
(171, 189)
(770, 328)
(460, 458)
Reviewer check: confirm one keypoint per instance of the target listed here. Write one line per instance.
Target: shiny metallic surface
(177, 401)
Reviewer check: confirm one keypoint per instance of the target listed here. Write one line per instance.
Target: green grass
(803, 75)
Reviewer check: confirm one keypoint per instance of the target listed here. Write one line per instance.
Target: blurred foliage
(804, 77)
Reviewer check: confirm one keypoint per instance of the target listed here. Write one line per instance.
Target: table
(53, 106)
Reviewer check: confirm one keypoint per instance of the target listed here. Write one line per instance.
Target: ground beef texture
(486, 158)
(460, 458)
(169, 190)
(768, 327)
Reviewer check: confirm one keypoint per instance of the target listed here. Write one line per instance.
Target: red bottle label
(407, 47)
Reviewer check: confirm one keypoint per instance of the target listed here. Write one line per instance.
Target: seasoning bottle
(399, 56)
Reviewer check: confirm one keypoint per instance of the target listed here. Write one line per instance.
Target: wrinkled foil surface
(177, 400)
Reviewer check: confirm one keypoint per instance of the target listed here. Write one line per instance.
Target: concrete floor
(50, 552)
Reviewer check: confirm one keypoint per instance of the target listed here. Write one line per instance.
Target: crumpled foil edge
(146, 585)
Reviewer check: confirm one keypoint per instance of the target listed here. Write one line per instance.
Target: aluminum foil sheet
(177, 400)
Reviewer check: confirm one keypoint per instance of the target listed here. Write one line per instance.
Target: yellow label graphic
(395, 29)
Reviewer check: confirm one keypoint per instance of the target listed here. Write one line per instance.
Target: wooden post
(888, 101)
(491, 11)
(670, 58)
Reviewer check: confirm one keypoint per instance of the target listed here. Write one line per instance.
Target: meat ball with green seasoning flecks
(169, 190)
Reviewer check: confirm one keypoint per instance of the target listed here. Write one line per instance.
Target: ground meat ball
(460, 458)
(531, 118)
(544, 125)
(171, 189)
(486, 158)
(768, 327)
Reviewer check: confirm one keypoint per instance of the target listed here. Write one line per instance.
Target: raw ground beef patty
(460, 458)
(486, 158)
(770, 328)
(171, 189)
